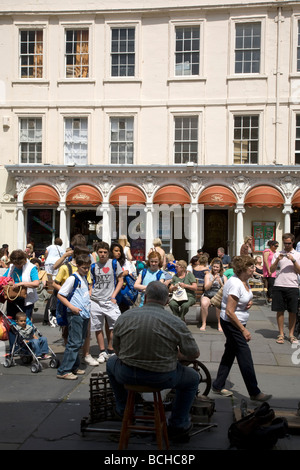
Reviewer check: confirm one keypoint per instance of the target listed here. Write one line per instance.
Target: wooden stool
(158, 417)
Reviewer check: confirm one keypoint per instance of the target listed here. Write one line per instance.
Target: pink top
(270, 257)
(287, 276)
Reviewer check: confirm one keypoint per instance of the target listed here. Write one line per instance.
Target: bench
(195, 310)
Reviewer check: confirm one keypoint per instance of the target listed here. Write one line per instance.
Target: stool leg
(127, 420)
(157, 421)
(163, 422)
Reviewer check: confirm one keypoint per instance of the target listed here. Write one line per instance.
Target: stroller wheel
(8, 363)
(35, 368)
(54, 363)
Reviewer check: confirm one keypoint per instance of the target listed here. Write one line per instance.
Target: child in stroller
(38, 344)
(27, 343)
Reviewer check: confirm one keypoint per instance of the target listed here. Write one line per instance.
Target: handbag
(12, 292)
(179, 295)
(217, 298)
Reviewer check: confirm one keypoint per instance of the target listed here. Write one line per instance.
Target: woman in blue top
(24, 274)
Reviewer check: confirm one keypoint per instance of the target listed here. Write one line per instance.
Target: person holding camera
(285, 292)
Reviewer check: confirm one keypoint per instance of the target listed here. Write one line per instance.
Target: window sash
(123, 52)
(76, 141)
(247, 47)
(77, 53)
(122, 140)
(246, 140)
(186, 139)
(298, 48)
(31, 54)
(30, 140)
(187, 50)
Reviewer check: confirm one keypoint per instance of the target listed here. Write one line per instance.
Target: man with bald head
(148, 342)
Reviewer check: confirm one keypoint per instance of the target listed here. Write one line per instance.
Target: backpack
(61, 309)
(158, 274)
(257, 430)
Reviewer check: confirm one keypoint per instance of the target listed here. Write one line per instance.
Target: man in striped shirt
(148, 342)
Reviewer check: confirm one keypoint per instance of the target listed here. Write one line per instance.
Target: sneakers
(88, 359)
(261, 397)
(224, 392)
(68, 376)
(103, 356)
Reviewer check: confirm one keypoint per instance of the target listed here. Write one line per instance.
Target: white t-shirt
(234, 286)
(54, 253)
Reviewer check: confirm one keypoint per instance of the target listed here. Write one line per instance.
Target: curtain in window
(38, 55)
(82, 55)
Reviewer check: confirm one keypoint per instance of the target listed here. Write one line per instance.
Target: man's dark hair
(157, 292)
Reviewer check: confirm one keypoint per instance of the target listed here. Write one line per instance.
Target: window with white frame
(297, 142)
(31, 53)
(30, 140)
(123, 52)
(187, 50)
(121, 140)
(246, 139)
(186, 139)
(77, 53)
(247, 47)
(76, 141)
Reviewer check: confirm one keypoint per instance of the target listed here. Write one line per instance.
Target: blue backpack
(158, 274)
(61, 309)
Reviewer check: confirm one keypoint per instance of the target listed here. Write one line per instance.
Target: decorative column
(193, 235)
(63, 234)
(21, 226)
(287, 211)
(239, 210)
(149, 226)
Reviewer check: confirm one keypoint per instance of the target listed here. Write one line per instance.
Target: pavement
(39, 412)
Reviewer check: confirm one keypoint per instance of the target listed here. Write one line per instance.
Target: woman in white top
(236, 301)
(52, 254)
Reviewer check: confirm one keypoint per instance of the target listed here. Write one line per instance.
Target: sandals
(293, 340)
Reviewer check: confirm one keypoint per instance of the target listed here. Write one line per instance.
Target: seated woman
(213, 281)
(187, 281)
(199, 267)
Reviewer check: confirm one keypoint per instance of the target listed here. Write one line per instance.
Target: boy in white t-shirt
(78, 310)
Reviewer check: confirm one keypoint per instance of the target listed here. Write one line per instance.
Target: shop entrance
(42, 228)
(84, 221)
(173, 228)
(215, 231)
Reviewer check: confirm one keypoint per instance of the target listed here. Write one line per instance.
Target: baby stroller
(22, 349)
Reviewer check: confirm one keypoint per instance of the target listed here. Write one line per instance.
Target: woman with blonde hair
(126, 247)
(246, 248)
(213, 281)
(157, 247)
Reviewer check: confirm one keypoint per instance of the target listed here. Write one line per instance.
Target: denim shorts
(285, 298)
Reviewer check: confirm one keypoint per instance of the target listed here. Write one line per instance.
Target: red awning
(84, 195)
(217, 196)
(41, 195)
(264, 196)
(132, 194)
(171, 195)
(296, 199)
